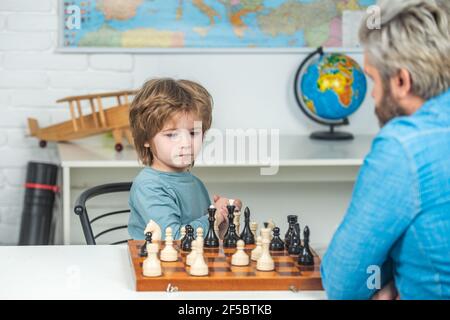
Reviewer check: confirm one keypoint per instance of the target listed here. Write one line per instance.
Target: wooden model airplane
(101, 120)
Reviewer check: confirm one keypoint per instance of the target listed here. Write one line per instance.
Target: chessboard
(223, 276)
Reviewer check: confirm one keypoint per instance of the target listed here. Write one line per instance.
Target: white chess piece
(155, 229)
(266, 233)
(169, 253)
(152, 266)
(270, 225)
(256, 253)
(191, 256)
(265, 261)
(199, 232)
(253, 227)
(182, 232)
(199, 266)
(240, 258)
(237, 221)
(216, 227)
(216, 224)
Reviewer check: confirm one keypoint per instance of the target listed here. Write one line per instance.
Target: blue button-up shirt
(397, 226)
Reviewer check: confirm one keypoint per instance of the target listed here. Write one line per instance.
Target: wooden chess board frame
(288, 275)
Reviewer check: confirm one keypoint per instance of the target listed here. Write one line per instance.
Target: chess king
(394, 240)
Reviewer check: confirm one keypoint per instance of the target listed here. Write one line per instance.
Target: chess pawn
(211, 239)
(199, 266)
(152, 266)
(183, 234)
(247, 235)
(155, 229)
(169, 253)
(191, 256)
(265, 261)
(148, 239)
(254, 227)
(240, 258)
(231, 238)
(276, 244)
(256, 252)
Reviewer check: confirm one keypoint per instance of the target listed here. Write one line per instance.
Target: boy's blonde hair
(157, 102)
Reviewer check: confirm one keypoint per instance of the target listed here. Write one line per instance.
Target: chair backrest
(81, 211)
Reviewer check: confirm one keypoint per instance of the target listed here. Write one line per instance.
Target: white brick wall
(32, 77)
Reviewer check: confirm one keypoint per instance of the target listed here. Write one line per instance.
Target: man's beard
(388, 108)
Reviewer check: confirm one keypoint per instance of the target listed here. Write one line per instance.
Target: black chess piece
(306, 257)
(276, 244)
(230, 209)
(247, 234)
(292, 220)
(211, 239)
(294, 244)
(187, 244)
(148, 239)
(230, 241)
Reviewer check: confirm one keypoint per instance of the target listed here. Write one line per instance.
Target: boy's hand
(221, 203)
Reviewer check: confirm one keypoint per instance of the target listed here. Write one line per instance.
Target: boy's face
(177, 145)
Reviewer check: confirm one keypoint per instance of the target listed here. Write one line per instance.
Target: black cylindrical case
(40, 189)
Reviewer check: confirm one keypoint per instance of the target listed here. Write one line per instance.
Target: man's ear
(401, 84)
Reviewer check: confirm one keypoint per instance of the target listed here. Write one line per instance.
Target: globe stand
(331, 135)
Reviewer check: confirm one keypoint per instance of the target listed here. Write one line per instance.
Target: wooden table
(95, 272)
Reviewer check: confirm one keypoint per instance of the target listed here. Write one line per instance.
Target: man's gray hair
(414, 35)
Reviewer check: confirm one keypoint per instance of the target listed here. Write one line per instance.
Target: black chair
(81, 211)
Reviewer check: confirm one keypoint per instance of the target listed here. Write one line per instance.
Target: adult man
(396, 232)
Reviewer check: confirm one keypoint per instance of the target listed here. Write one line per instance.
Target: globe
(329, 88)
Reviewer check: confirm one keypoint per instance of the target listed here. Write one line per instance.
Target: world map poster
(203, 24)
